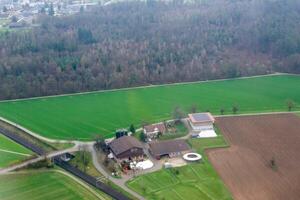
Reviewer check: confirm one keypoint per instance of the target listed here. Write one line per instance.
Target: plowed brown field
(245, 166)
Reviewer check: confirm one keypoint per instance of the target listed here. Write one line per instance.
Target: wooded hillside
(131, 44)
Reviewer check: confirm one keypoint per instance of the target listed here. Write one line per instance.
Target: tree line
(141, 43)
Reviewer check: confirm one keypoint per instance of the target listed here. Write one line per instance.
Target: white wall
(204, 126)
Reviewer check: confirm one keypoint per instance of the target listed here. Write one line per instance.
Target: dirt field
(245, 166)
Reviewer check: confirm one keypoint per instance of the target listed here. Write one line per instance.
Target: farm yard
(82, 116)
(11, 152)
(44, 185)
(263, 159)
(193, 181)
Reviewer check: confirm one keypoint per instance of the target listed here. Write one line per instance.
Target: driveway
(119, 182)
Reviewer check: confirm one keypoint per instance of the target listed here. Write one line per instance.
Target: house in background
(169, 148)
(201, 121)
(126, 148)
(152, 131)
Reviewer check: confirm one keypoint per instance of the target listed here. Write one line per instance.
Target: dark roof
(160, 127)
(201, 117)
(168, 146)
(123, 144)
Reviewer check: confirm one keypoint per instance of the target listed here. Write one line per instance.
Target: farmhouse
(201, 121)
(152, 131)
(171, 148)
(126, 147)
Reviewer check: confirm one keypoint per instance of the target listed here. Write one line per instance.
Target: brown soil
(246, 167)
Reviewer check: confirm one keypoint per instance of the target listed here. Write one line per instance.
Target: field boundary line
(147, 86)
(257, 114)
(175, 192)
(204, 192)
(80, 182)
(57, 171)
(165, 187)
(194, 171)
(14, 152)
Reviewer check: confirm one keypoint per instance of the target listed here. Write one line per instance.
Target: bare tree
(290, 104)
(273, 163)
(83, 157)
(178, 114)
(193, 108)
(235, 109)
(222, 111)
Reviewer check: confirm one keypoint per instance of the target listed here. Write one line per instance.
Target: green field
(42, 185)
(193, 182)
(11, 152)
(83, 116)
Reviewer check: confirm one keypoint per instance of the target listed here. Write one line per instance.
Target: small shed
(152, 131)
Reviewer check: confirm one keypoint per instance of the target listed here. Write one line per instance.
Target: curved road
(120, 182)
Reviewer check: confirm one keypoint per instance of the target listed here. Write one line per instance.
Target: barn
(126, 147)
(170, 148)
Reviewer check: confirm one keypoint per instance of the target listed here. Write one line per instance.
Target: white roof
(147, 164)
(207, 134)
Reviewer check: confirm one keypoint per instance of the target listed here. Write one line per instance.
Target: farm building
(201, 121)
(152, 131)
(126, 147)
(171, 148)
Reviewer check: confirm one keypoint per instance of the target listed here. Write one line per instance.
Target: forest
(142, 43)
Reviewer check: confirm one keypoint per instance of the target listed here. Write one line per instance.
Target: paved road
(83, 184)
(90, 179)
(58, 161)
(158, 164)
(120, 182)
(35, 160)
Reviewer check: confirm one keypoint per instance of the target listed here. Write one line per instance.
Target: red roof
(160, 127)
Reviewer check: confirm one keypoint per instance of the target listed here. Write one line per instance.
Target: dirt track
(245, 166)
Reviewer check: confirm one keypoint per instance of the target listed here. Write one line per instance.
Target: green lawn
(42, 185)
(181, 131)
(89, 169)
(83, 116)
(194, 181)
(11, 152)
